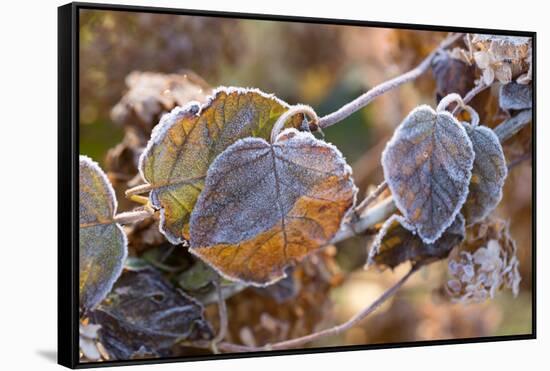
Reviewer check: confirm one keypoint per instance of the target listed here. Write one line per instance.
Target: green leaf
(427, 165)
(186, 141)
(102, 242)
(266, 206)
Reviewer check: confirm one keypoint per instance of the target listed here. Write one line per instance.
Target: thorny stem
(332, 331)
(363, 100)
(294, 110)
(222, 310)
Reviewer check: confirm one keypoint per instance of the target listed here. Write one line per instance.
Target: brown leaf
(397, 243)
(266, 206)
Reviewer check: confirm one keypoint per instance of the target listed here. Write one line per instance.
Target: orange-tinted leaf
(266, 206)
(102, 242)
(186, 141)
(397, 243)
(488, 174)
(427, 165)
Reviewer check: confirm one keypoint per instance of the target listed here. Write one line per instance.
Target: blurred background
(136, 66)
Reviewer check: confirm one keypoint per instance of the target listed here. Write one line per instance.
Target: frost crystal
(477, 273)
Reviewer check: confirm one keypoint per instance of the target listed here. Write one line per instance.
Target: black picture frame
(68, 150)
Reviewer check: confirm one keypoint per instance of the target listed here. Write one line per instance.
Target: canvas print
(256, 185)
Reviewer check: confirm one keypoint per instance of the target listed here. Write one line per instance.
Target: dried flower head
(483, 264)
(504, 58)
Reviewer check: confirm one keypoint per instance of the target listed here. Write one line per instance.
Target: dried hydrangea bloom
(485, 263)
(501, 58)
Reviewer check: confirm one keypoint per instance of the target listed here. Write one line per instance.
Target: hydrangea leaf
(266, 206)
(102, 242)
(515, 96)
(397, 243)
(144, 312)
(188, 139)
(427, 165)
(488, 174)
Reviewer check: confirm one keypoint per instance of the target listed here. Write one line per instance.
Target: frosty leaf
(488, 174)
(102, 242)
(187, 140)
(427, 165)
(266, 206)
(397, 243)
(143, 313)
(515, 96)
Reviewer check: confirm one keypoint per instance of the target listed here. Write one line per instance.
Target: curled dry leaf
(427, 165)
(102, 242)
(488, 174)
(452, 75)
(515, 96)
(145, 315)
(150, 94)
(397, 243)
(266, 206)
(186, 141)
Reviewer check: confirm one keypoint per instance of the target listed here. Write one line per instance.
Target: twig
(338, 329)
(139, 189)
(371, 197)
(363, 100)
(369, 219)
(470, 95)
(510, 127)
(294, 110)
(135, 216)
(222, 310)
(519, 160)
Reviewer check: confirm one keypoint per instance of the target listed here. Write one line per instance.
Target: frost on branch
(483, 264)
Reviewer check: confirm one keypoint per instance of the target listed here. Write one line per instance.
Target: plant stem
(222, 310)
(139, 189)
(294, 110)
(363, 100)
(130, 217)
(371, 197)
(510, 127)
(332, 331)
(470, 95)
